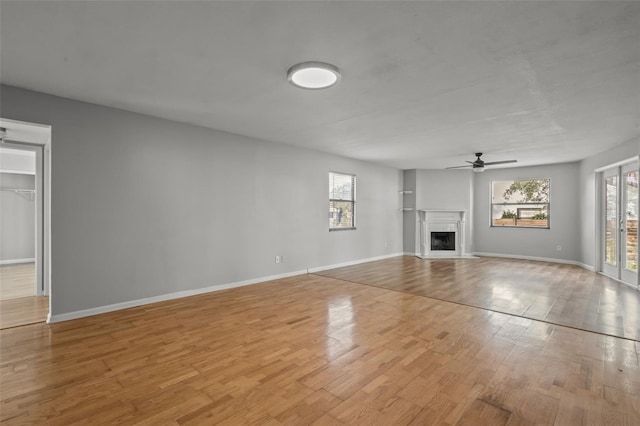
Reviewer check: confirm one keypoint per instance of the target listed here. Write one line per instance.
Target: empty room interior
(318, 212)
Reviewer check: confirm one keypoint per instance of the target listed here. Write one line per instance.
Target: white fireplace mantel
(441, 221)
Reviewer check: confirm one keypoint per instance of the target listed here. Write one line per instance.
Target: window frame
(522, 205)
(352, 201)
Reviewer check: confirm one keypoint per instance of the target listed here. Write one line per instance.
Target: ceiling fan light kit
(478, 166)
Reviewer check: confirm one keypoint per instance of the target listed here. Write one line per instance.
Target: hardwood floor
(18, 303)
(315, 350)
(552, 292)
(23, 311)
(17, 281)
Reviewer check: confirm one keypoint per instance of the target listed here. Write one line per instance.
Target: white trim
(37, 137)
(599, 211)
(17, 172)
(538, 259)
(354, 262)
(16, 261)
(164, 297)
(585, 266)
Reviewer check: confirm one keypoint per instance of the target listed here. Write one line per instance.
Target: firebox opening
(443, 241)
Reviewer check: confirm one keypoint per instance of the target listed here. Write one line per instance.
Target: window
(520, 203)
(342, 201)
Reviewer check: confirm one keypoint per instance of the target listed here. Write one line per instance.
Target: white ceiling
(424, 84)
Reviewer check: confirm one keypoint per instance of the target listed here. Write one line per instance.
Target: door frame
(37, 137)
(606, 269)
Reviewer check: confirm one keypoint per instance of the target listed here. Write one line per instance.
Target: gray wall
(564, 215)
(587, 193)
(143, 207)
(17, 218)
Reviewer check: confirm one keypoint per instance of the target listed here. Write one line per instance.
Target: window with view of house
(520, 203)
(342, 201)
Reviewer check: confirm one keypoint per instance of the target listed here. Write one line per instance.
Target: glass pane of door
(611, 220)
(630, 217)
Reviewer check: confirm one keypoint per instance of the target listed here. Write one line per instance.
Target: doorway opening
(24, 223)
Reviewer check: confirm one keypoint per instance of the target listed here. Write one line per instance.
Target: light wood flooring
(17, 281)
(552, 292)
(18, 303)
(313, 349)
(23, 311)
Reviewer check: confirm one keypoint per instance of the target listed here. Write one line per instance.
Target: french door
(620, 223)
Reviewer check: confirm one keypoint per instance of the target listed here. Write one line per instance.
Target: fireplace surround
(442, 233)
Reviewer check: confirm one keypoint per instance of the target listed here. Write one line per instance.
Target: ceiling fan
(479, 164)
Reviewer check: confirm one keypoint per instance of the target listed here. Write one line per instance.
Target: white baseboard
(539, 259)
(186, 293)
(163, 297)
(354, 262)
(585, 266)
(17, 261)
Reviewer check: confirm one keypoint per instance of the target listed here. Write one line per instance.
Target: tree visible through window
(342, 201)
(520, 203)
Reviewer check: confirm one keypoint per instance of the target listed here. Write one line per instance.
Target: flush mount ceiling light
(313, 75)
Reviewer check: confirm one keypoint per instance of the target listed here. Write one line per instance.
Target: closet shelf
(18, 190)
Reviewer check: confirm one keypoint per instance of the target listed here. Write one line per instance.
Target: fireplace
(443, 241)
(442, 234)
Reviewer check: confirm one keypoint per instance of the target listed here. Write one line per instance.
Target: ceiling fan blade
(470, 162)
(457, 167)
(491, 163)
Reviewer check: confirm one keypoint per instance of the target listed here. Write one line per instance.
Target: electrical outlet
(277, 259)
(281, 259)
(559, 248)
(385, 244)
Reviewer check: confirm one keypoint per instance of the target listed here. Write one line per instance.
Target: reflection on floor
(556, 293)
(18, 303)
